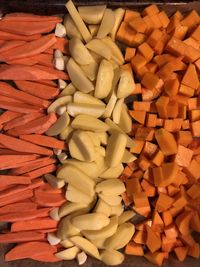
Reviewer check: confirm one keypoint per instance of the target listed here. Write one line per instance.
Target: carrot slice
(29, 61)
(8, 116)
(62, 44)
(46, 257)
(6, 180)
(21, 237)
(181, 253)
(16, 198)
(22, 146)
(27, 17)
(41, 171)
(43, 91)
(29, 249)
(18, 207)
(31, 48)
(38, 126)
(10, 100)
(22, 120)
(48, 82)
(49, 200)
(10, 45)
(43, 140)
(28, 28)
(59, 74)
(45, 60)
(11, 36)
(34, 224)
(10, 161)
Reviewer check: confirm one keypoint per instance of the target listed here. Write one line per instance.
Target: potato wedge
(117, 110)
(111, 200)
(75, 109)
(89, 123)
(81, 258)
(53, 239)
(68, 90)
(103, 233)
(66, 243)
(78, 21)
(112, 257)
(100, 150)
(66, 228)
(90, 70)
(107, 23)
(99, 243)
(79, 52)
(59, 125)
(83, 98)
(115, 149)
(104, 79)
(117, 210)
(119, 14)
(128, 157)
(78, 78)
(93, 29)
(100, 48)
(90, 221)
(113, 172)
(86, 246)
(117, 55)
(92, 14)
(66, 133)
(110, 105)
(103, 137)
(126, 84)
(125, 122)
(126, 216)
(102, 207)
(71, 29)
(74, 195)
(110, 187)
(121, 237)
(59, 102)
(69, 208)
(68, 254)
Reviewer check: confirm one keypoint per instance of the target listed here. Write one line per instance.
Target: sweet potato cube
(137, 115)
(172, 109)
(150, 10)
(134, 249)
(156, 258)
(180, 32)
(146, 51)
(130, 14)
(138, 146)
(129, 54)
(148, 188)
(154, 37)
(194, 251)
(181, 253)
(171, 87)
(191, 54)
(183, 156)
(138, 24)
(161, 105)
(192, 42)
(153, 240)
(166, 142)
(149, 23)
(184, 138)
(156, 20)
(132, 186)
(140, 199)
(183, 221)
(163, 19)
(191, 19)
(197, 64)
(196, 34)
(193, 170)
(186, 90)
(195, 126)
(194, 114)
(194, 191)
(191, 78)
(150, 80)
(164, 202)
(151, 120)
(167, 218)
(138, 61)
(158, 158)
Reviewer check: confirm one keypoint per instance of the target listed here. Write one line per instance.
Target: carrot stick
(47, 188)
(38, 163)
(29, 249)
(39, 172)
(16, 198)
(18, 107)
(10, 91)
(59, 74)
(8, 116)
(30, 48)
(6, 180)
(21, 72)
(43, 91)
(46, 257)
(10, 45)
(24, 216)
(10, 161)
(48, 82)
(49, 200)
(27, 17)
(27, 28)
(18, 207)
(5, 151)
(29, 61)
(43, 140)
(38, 126)
(21, 237)
(11, 36)
(10, 100)
(62, 44)
(22, 120)
(49, 51)
(22, 146)
(51, 230)
(45, 60)
(34, 224)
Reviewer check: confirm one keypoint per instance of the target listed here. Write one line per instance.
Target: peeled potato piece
(110, 200)
(126, 84)
(66, 243)
(102, 207)
(88, 122)
(90, 70)
(66, 133)
(112, 257)
(107, 23)
(59, 125)
(68, 90)
(117, 110)
(71, 29)
(113, 172)
(74, 195)
(110, 187)
(117, 210)
(93, 29)
(119, 14)
(62, 101)
(92, 14)
(75, 109)
(100, 48)
(104, 79)
(125, 122)
(128, 157)
(117, 55)
(126, 216)
(68, 254)
(79, 52)
(68, 208)
(78, 78)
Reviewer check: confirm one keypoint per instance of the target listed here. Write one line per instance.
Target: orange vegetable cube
(157, 222)
(194, 114)
(186, 90)
(149, 189)
(172, 109)
(153, 240)
(185, 125)
(183, 222)
(139, 237)
(180, 32)
(132, 186)
(130, 14)
(129, 54)
(184, 138)
(149, 149)
(138, 146)
(183, 156)
(154, 37)
(150, 80)
(196, 34)
(156, 258)
(192, 171)
(163, 19)
(171, 87)
(143, 163)
(164, 202)
(167, 218)
(166, 142)
(138, 24)
(141, 106)
(191, 19)
(158, 158)
(138, 61)
(140, 199)
(150, 10)
(149, 23)
(191, 54)
(151, 120)
(181, 253)
(194, 251)
(138, 116)
(146, 51)
(134, 249)
(190, 78)
(196, 128)
(161, 105)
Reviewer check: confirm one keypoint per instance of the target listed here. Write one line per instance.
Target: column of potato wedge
(94, 121)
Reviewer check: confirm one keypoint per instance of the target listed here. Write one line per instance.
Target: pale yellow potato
(66, 243)
(76, 196)
(102, 207)
(68, 90)
(90, 221)
(68, 254)
(100, 48)
(89, 123)
(59, 125)
(117, 210)
(121, 237)
(69, 208)
(59, 102)
(110, 105)
(103, 137)
(92, 14)
(53, 181)
(86, 246)
(98, 243)
(66, 133)
(119, 14)
(61, 83)
(112, 257)
(117, 55)
(110, 200)
(90, 70)
(75, 109)
(54, 214)
(78, 21)
(125, 122)
(113, 172)
(94, 138)
(103, 233)
(82, 98)
(104, 79)
(107, 23)
(100, 150)
(126, 84)
(78, 179)
(117, 110)
(71, 29)
(66, 229)
(110, 187)
(126, 216)
(128, 157)
(93, 29)
(96, 57)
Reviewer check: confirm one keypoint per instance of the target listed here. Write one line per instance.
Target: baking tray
(57, 7)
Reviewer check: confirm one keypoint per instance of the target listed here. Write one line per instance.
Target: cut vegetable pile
(94, 138)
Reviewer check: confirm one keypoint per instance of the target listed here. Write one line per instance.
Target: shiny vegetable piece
(92, 14)
(100, 48)
(59, 125)
(75, 109)
(62, 101)
(107, 23)
(87, 122)
(69, 208)
(166, 142)
(110, 187)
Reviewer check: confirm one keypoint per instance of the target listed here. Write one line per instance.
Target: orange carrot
(33, 165)
(22, 146)
(62, 44)
(181, 253)
(21, 237)
(10, 45)
(36, 89)
(38, 126)
(45, 60)
(41, 171)
(34, 224)
(10, 161)
(29, 61)
(22, 120)
(6, 180)
(27, 17)
(43, 140)
(59, 74)
(134, 249)
(48, 82)
(49, 200)
(45, 257)
(16, 198)
(11, 36)
(28, 250)
(8, 116)
(18, 207)
(153, 240)
(10, 100)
